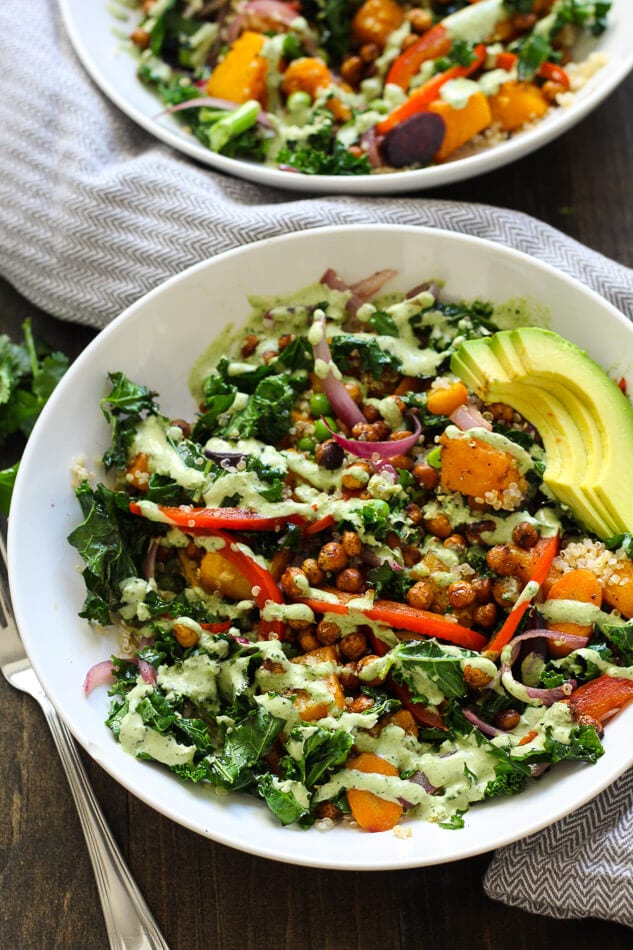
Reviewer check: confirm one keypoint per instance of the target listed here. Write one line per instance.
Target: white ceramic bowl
(91, 26)
(156, 341)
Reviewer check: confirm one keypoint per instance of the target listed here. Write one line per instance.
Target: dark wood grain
(205, 895)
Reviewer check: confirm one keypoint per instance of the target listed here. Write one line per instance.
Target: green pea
(320, 405)
(434, 458)
(306, 444)
(321, 433)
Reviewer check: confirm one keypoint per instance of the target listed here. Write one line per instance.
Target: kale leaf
(428, 658)
(280, 799)
(346, 349)
(267, 415)
(124, 407)
(112, 543)
(323, 750)
(244, 746)
(333, 19)
(510, 775)
(621, 637)
(584, 746)
(333, 159)
(390, 583)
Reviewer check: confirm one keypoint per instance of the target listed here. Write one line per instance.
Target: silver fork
(129, 922)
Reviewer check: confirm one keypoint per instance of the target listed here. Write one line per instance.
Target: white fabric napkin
(94, 212)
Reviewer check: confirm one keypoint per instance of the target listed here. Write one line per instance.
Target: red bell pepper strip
(546, 554)
(506, 60)
(264, 586)
(554, 73)
(210, 519)
(317, 526)
(421, 98)
(402, 617)
(220, 627)
(431, 45)
(600, 697)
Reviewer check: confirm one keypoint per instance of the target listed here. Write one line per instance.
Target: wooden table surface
(208, 896)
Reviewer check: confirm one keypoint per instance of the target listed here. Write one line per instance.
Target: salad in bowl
(381, 571)
(366, 87)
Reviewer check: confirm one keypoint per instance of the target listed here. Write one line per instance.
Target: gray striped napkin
(94, 213)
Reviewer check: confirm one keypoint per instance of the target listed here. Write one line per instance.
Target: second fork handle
(129, 922)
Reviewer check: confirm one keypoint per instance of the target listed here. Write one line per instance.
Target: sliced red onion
(342, 403)
(383, 450)
(261, 15)
(212, 102)
(232, 457)
(369, 143)
(571, 639)
(101, 674)
(362, 290)
(418, 778)
(468, 416)
(481, 724)
(147, 671)
(546, 696)
(427, 287)
(369, 286)
(538, 768)
(374, 560)
(149, 566)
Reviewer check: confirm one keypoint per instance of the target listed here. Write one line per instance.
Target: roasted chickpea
(359, 704)
(525, 534)
(475, 678)
(349, 580)
(454, 541)
(426, 475)
(328, 810)
(362, 664)
(485, 615)
(420, 20)
(507, 719)
(141, 38)
(308, 641)
(352, 70)
(348, 678)
(354, 645)
(352, 478)
(328, 632)
(421, 595)
(352, 544)
(371, 412)
(402, 461)
(313, 572)
(438, 525)
(414, 513)
(294, 582)
(461, 594)
(369, 52)
(483, 589)
(370, 431)
(505, 591)
(185, 636)
(332, 557)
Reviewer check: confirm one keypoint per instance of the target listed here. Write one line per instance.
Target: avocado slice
(584, 419)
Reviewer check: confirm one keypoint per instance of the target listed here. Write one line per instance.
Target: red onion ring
(101, 674)
(211, 102)
(147, 672)
(481, 724)
(342, 403)
(369, 286)
(149, 565)
(384, 450)
(468, 416)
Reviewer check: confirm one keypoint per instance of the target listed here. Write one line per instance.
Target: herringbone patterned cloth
(94, 213)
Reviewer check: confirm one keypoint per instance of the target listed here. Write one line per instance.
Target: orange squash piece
(517, 103)
(309, 708)
(370, 811)
(581, 585)
(310, 74)
(242, 73)
(618, 593)
(461, 124)
(473, 467)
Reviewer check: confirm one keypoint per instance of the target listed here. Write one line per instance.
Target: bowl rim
(109, 762)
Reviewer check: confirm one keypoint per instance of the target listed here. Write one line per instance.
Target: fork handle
(129, 922)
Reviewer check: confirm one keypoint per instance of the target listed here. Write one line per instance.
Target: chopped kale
(390, 583)
(336, 159)
(124, 407)
(383, 324)
(349, 350)
(621, 639)
(418, 662)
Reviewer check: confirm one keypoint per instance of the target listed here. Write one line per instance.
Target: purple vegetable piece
(414, 141)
